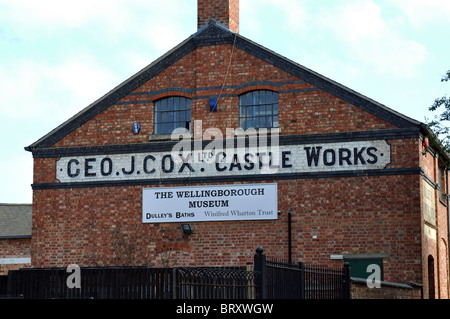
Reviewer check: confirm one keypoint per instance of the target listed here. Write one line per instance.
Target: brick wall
(87, 226)
(224, 11)
(102, 226)
(393, 291)
(11, 249)
(358, 214)
(435, 233)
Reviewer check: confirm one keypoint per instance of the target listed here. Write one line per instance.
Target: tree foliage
(440, 123)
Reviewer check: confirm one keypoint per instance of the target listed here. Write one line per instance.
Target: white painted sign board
(210, 203)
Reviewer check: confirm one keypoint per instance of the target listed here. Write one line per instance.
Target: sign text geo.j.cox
(286, 159)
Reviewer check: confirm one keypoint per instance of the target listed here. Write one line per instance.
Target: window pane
(242, 110)
(254, 99)
(163, 105)
(275, 108)
(263, 122)
(180, 116)
(170, 104)
(167, 117)
(242, 100)
(166, 128)
(157, 117)
(258, 122)
(275, 122)
(176, 103)
(259, 97)
(268, 97)
(248, 99)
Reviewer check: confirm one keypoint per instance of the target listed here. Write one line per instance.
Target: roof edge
(326, 84)
(210, 34)
(16, 237)
(109, 98)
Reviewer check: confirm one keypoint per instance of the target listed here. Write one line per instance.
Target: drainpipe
(289, 236)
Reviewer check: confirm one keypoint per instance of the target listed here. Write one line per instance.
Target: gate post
(346, 281)
(301, 266)
(260, 268)
(175, 293)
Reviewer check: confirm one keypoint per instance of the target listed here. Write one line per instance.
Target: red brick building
(325, 174)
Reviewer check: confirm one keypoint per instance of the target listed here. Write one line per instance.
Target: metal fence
(215, 283)
(282, 280)
(96, 283)
(270, 279)
(325, 282)
(132, 283)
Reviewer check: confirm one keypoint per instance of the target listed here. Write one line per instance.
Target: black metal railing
(270, 279)
(280, 279)
(215, 283)
(284, 280)
(96, 283)
(325, 282)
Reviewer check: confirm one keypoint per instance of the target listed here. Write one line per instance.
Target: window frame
(254, 109)
(171, 111)
(442, 184)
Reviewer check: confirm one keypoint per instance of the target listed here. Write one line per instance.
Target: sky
(57, 57)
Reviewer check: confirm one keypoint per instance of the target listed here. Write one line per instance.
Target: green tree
(440, 124)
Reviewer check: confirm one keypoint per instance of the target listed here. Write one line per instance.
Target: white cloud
(16, 178)
(421, 12)
(297, 18)
(52, 14)
(115, 20)
(355, 21)
(31, 89)
(372, 40)
(288, 15)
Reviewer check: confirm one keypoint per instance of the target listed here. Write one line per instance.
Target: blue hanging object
(136, 128)
(212, 105)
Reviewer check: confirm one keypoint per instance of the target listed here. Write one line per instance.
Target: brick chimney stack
(225, 12)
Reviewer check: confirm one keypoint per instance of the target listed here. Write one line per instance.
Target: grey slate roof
(15, 220)
(213, 34)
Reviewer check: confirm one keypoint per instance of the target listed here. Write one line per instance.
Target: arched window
(258, 109)
(171, 113)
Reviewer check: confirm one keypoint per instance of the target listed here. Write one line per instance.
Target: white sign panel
(209, 203)
(285, 159)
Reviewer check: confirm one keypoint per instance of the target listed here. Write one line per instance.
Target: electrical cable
(226, 75)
